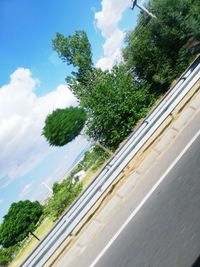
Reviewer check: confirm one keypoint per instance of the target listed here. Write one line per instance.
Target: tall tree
(114, 103)
(113, 100)
(63, 125)
(20, 220)
(75, 50)
(156, 50)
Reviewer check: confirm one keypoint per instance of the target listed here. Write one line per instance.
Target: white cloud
(1, 201)
(112, 50)
(25, 190)
(22, 116)
(107, 21)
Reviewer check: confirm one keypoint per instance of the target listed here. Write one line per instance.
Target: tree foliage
(75, 50)
(63, 195)
(156, 51)
(94, 158)
(114, 103)
(63, 125)
(20, 220)
(56, 188)
(6, 255)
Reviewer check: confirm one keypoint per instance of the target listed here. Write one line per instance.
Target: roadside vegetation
(111, 102)
(29, 221)
(92, 160)
(156, 52)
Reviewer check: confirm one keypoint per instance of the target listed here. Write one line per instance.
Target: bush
(62, 198)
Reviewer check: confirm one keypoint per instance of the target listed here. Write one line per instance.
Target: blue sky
(32, 84)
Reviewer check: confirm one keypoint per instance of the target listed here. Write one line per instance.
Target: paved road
(166, 231)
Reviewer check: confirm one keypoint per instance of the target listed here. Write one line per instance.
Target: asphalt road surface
(158, 223)
(166, 231)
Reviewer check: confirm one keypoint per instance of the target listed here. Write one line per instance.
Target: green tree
(6, 255)
(20, 220)
(56, 188)
(62, 197)
(75, 50)
(114, 103)
(156, 50)
(63, 125)
(113, 100)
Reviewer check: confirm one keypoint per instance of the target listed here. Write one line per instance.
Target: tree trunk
(104, 148)
(98, 144)
(35, 236)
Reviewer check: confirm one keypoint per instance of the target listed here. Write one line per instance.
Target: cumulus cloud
(107, 21)
(22, 116)
(112, 50)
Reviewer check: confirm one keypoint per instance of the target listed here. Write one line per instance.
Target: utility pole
(141, 7)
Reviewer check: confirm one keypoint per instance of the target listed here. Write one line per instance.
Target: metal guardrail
(113, 168)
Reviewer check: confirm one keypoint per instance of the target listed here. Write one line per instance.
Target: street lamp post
(141, 7)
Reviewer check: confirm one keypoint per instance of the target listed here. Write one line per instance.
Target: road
(158, 224)
(166, 231)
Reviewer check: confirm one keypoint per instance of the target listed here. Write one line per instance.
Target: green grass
(90, 174)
